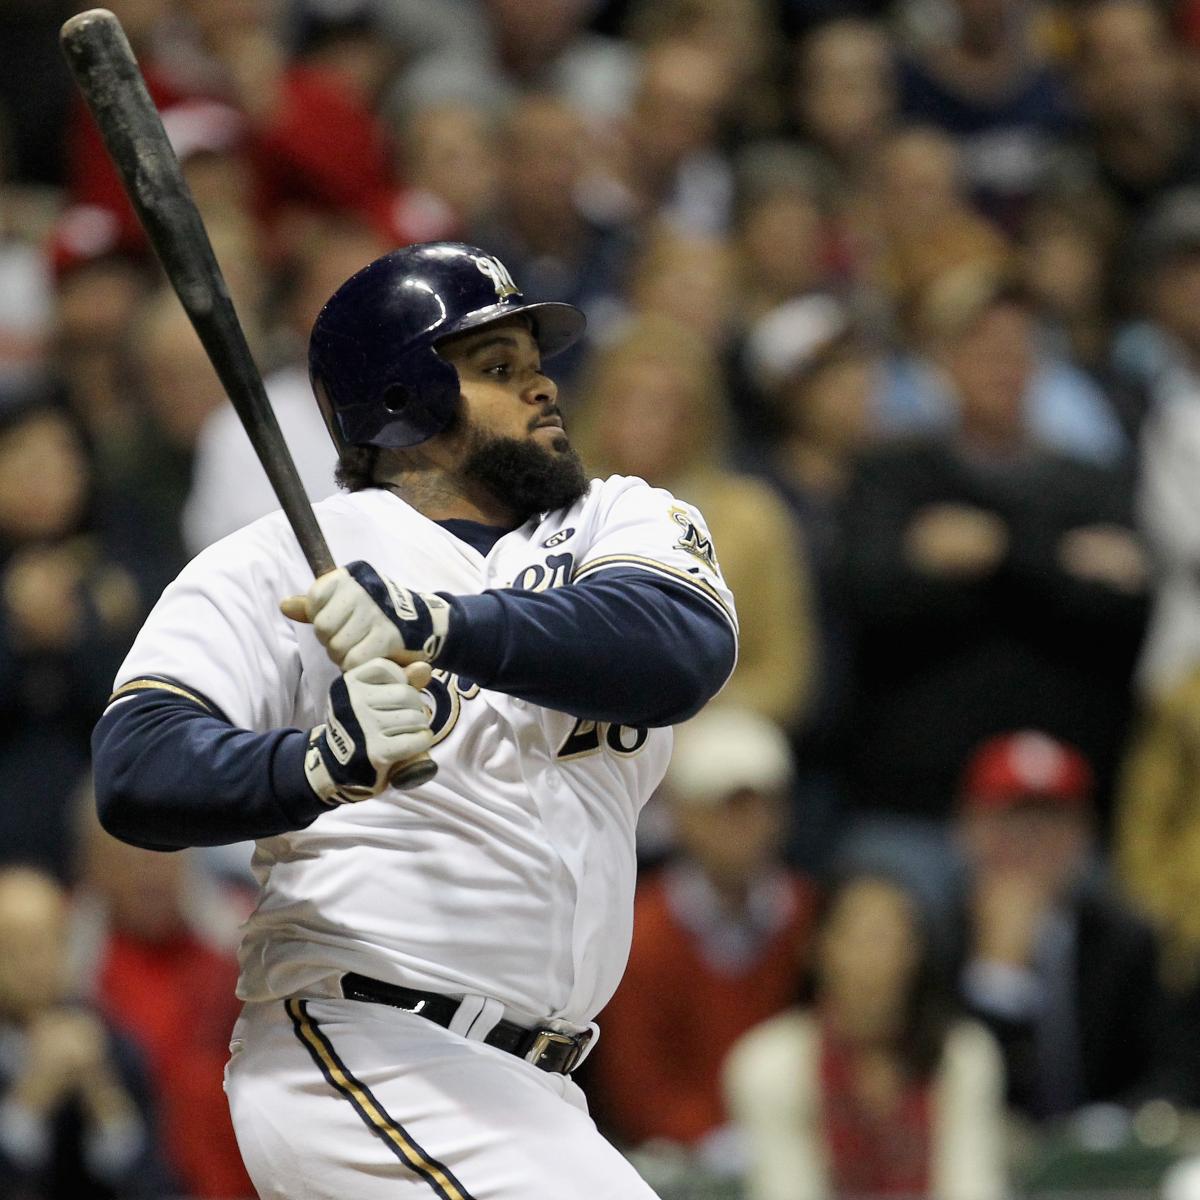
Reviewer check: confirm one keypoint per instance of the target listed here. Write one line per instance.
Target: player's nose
(540, 391)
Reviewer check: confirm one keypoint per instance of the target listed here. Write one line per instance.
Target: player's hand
(359, 615)
(375, 719)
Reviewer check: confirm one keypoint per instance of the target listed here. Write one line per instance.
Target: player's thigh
(341, 1098)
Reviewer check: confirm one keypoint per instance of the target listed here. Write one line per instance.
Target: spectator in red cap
(1063, 972)
(101, 271)
(92, 182)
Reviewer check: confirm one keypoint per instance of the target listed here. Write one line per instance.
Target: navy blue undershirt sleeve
(622, 646)
(170, 774)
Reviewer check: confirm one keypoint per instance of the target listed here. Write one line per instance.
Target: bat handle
(412, 772)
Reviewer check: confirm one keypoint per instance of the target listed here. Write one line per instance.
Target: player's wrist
(326, 778)
(337, 763)
(439, 614)
(474, 642)
(293, 792)
(317, 773)
(447, 616)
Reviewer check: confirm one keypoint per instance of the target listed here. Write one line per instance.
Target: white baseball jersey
(511, 874)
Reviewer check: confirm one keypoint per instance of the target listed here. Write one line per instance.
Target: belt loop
(594, 1030)
(465, 1017)
(488, 1015)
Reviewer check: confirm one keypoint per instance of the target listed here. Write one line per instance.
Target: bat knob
(413, 772)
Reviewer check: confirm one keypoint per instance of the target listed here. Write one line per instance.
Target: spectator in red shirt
(317, 140)
(719, 937)
(165, 974)
(91, 178)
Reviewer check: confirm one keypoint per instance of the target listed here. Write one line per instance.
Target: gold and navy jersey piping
(698, 582)
(150, 683)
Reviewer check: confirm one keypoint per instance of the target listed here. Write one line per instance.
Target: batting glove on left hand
(375, 720)
(359, 615)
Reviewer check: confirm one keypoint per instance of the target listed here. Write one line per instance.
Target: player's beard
(523, 475)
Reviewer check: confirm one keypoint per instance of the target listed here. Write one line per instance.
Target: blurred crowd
(905, 297)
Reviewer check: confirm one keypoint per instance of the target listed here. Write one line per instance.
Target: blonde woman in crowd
(691, 278)
(654, 407)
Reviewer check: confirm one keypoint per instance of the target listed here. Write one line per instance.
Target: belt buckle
(548, 1039)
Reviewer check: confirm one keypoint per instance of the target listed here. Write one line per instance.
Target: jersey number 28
(587, 737)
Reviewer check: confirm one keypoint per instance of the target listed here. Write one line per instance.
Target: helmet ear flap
(417, 403)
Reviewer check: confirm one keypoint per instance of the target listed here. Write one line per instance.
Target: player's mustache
(547, 414)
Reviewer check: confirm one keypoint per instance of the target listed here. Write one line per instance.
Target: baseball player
(423, 967)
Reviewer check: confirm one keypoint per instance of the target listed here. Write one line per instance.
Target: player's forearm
(622, 647)
(169, 775)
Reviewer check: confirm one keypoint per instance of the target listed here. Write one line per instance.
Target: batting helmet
(373, 345)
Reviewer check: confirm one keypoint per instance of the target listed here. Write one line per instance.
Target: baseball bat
(104, 66)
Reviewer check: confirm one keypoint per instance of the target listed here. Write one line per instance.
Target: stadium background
(905, 296)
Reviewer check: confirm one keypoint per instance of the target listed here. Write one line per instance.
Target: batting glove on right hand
(375, 719)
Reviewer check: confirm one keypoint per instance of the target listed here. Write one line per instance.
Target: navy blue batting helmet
(372, 347)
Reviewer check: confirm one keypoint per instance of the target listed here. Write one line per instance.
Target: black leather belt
(548, 1049)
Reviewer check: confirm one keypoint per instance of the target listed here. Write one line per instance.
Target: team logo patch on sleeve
(694, 541)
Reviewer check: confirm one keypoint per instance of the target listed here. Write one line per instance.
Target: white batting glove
(359, 615)
(375, 719)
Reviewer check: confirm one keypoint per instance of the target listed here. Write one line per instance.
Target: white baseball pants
(338, 1098)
